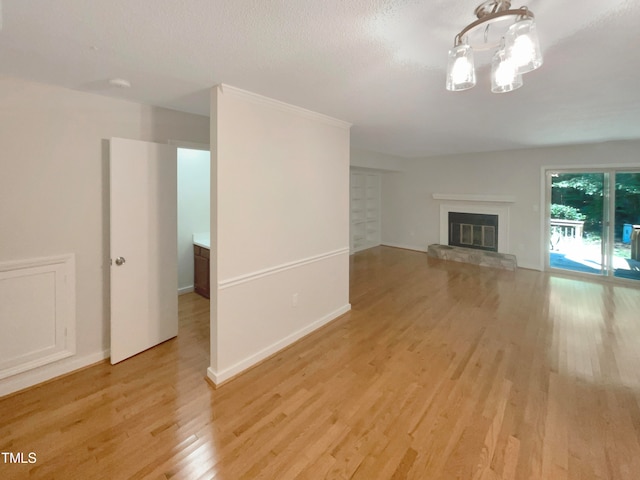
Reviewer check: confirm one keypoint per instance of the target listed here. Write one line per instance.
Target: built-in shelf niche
(365, 210)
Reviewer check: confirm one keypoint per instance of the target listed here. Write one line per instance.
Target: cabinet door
(201, 274)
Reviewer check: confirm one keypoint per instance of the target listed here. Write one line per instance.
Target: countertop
(202, 240)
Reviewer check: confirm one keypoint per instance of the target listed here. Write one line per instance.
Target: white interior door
(144, 298)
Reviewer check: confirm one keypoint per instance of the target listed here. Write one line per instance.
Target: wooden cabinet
(201, 270)
(365, 210)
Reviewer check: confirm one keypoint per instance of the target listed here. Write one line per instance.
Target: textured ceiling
(379, 64)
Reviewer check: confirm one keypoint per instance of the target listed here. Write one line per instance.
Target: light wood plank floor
(441, 371)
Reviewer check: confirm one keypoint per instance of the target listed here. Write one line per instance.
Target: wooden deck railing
(565, 231)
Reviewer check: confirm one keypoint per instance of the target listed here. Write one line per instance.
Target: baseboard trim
(49, 372)
(531, 266)
(405, 246)
(218, 378)
(183, 290)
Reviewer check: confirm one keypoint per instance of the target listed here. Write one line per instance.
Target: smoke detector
(120, 83)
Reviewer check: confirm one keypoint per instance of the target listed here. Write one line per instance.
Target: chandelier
(512, 32)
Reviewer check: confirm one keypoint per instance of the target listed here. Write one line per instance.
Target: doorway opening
(194, 206)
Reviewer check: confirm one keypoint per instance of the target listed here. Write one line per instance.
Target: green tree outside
(581, 194)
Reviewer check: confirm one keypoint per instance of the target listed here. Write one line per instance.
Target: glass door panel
(577, 237)
(626, 226)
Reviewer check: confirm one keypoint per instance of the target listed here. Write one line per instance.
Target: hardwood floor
(441, 371)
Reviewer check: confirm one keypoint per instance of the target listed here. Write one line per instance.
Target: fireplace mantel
(475, 198)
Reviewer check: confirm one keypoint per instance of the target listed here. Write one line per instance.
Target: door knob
(120, 261)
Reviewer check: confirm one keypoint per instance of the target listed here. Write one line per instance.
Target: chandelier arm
(520, 13)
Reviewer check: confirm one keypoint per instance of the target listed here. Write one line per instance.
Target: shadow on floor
(560, 260)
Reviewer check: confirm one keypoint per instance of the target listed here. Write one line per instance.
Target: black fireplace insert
(473, 230)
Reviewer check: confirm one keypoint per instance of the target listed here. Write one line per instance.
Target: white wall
(365, 159)
(410, 216)
(280, 217)
(54, 191)
(193, 208)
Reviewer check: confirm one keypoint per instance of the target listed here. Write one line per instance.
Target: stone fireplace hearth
(482, 258)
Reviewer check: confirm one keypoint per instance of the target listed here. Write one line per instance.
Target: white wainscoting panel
(37, 313)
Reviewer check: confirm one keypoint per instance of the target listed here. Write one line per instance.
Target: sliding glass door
(594, 222)
(625, 254)
(576, 233)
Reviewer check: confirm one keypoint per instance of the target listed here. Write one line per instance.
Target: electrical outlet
(294, 300)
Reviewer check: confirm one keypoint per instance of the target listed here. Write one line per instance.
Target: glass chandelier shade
(523, 46)
(505, 76)
(511, 31)
(461, 72)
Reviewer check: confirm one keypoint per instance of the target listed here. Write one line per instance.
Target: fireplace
(473, 230)
(495, 205)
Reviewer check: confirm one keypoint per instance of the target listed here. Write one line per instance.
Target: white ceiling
(379, 64)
